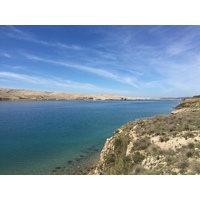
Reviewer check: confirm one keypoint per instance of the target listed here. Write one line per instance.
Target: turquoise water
(59, 137)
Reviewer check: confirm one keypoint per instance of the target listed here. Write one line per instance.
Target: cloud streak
(54, 82)
(99, 72)
(21, 35)
(6, 55)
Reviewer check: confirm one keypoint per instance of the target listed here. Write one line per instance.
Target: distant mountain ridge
(18, 94)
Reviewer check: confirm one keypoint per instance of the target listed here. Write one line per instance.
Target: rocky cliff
(14, 94)
(165, 144)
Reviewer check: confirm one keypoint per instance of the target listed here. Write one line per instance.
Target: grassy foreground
(164, 144)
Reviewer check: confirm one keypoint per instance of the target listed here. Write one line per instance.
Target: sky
(133, 60)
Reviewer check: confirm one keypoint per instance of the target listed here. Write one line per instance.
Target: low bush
(195, 167)
(188, 135)
(110, 159)
(191, 145)
(164, 139)
(137, 157)
(189, 154)
(154, 150)
(182, 164)
(138, 169)
(141, 144)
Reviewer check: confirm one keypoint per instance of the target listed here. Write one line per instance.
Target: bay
(63, 137)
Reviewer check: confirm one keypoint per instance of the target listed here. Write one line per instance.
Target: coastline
(84, 168)
(160, 145)
(92, 169)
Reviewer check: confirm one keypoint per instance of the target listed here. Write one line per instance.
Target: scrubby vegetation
(192, 103)
(165, 144)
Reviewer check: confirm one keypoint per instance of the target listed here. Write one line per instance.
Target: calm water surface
(59, 137)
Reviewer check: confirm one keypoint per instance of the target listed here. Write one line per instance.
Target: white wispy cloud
(65, 46)
(100, 72)
(17, 67)
(6, 55)
(22, 77)
(54, 82)
(17, 33)
(176, 40)
(21, 35)
(177, 48)
(178, 78)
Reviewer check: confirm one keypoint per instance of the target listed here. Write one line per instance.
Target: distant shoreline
(8, 94)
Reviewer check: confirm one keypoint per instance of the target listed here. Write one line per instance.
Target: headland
(160, 145)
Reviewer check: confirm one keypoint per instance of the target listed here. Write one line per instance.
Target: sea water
(60, 137)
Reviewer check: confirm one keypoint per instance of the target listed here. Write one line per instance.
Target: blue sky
(144, 61)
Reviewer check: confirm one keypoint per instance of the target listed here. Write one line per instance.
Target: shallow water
(63, 137)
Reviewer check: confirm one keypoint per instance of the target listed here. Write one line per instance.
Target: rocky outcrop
(190, 103)
(14, 94)
(164, 144)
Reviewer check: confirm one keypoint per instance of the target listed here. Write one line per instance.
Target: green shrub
(189, 154)
(141, 143)
(170, 160)
(186, 127)
(197, 145)
(195, 167)
(164, 139)
(118, 143)
(138, 169)
(172, 128)
(188, 135)
(174, 133)
(191, 145)
(110, 159)
(182, 164)
(154, 150)
(137, 157)
(127, 165)
(116, 132)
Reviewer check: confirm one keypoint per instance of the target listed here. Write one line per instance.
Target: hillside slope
(165, 144)
(15, 94)
(189, 104)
